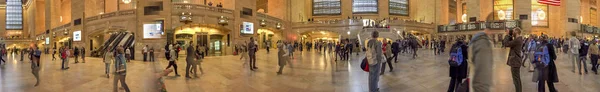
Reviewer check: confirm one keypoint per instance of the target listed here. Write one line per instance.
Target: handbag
(464, 86)
(364, 65)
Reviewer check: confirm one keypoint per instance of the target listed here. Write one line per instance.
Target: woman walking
(108, 58)
(172, 58)
(35, 64)
(282, 55)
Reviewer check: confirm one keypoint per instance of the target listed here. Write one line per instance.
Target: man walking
(190, 59)
(251, 54)
(482, 60)
(395, 50)
(515, 43)
(120, 70)
(574, 47)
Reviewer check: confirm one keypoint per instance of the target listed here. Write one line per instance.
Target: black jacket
(460, 71)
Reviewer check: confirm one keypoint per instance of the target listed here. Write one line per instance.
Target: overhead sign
(77, 35)
(550, 2)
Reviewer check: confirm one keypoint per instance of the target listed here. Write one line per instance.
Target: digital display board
(247, 28)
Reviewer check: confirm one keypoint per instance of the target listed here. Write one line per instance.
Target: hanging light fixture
(186, 17)
(278, 26)
(223, 21)
(263, 23)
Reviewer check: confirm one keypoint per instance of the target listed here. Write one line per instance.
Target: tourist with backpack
(515, 43)
(583, 51)
(545, 69)
(458, 64)
(374, 57)
(120, 70)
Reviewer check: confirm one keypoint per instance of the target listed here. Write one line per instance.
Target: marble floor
(308, 72)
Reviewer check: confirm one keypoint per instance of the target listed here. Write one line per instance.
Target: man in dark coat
(460, 72)
(515, 43)
(395, 50)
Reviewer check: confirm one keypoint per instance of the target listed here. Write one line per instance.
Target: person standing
(190, 59)
(252, 54)
(35, 64)
(65, 57)
(481, 48)
(282, 56)
(515, 43)
(76, 54)
(574, 46)
(120, 70)
(151, 54)
(145, 51)
(458, 73)
(128, 55)
(83, 54)
(290, 49)
(172, 58)
(53, 53)
(375, 58)
(108, 58)
(545, 66)
(198, 62)
(594, 54)
(267, 44)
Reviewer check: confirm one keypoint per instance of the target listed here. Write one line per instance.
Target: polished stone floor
(309, 72)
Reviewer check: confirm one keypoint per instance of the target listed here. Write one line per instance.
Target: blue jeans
(374, 71)
(107, 67)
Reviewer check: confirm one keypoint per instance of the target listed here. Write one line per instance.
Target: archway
(214, 39)
(320, 36)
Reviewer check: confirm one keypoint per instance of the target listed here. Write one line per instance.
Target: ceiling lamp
(126, 1)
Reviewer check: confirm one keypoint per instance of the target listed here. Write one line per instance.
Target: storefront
(214, 37)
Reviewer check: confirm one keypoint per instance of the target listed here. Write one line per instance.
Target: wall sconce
(66, 32)
(186, 17)
(278, 26)
(223, 21)
(263, 23)
(53, 34)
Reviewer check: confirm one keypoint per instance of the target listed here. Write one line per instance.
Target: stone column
(47, 24)
(473, 10)
(572, 10)
(77, 10)
(523, 7)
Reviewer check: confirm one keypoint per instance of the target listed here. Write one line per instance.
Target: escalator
(120, 39)
(104, 46)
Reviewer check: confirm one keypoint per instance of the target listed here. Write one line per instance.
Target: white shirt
(145, 49)
(127, 51)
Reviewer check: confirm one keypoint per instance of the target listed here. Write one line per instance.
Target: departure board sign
(327, 7)
(399, 7)
(364, 6)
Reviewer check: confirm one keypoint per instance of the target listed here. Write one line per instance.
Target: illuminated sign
(153, 30)
(247, 28)
(77, 35)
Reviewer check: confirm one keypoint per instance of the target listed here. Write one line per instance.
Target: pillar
(572, 11)
(523, 7)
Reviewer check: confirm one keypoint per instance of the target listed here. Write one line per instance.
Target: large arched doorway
(213, 38)
(320, 36)
(268, 37)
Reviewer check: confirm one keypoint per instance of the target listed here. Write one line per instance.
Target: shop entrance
(211, 40)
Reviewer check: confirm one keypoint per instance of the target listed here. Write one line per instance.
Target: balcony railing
(201, 7)
(62, 27)
(110, 15)
(267, 17)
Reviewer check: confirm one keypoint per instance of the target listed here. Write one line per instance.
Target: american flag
(550, 2)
